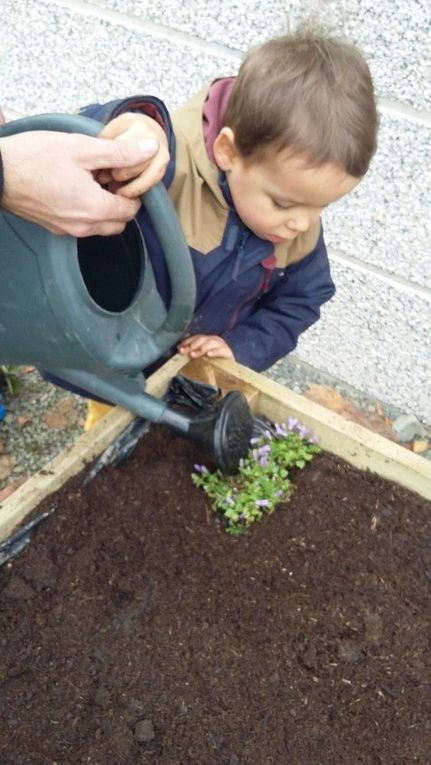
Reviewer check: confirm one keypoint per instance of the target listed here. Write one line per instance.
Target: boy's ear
(224, 149)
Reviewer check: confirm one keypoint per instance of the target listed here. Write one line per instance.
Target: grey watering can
(89, 312)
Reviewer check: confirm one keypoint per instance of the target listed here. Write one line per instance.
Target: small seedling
(9, 379)
(263, 480)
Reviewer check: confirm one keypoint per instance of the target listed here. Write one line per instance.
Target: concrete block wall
(375, 335)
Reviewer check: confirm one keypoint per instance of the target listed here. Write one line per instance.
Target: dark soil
(135, 630)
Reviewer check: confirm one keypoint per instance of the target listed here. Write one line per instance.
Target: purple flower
(254, 441)
(292, 423)
(262, 502)
(261, 455)
(303, 431)
(279, 430)
(200, 468)
(314, 439)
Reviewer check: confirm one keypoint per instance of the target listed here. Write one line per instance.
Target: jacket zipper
(259, 291)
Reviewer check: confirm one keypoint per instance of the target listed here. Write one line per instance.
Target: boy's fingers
(190, 342)
(140, 185)
(201, 344)
(123, 174)
(223, 352)
(212, 346)
(103, 177)
(143, 178)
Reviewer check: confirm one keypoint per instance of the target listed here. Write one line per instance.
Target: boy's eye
(282, 205)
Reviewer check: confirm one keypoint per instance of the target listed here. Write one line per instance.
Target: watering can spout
(223, 432)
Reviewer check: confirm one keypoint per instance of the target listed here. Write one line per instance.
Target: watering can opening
(113, 268)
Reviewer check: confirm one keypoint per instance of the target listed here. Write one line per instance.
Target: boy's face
(279, 196)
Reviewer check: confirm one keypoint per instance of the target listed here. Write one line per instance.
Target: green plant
(9, 379)
(262, 481)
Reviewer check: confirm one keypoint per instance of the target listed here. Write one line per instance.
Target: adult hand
(212, 346)
(50, 179)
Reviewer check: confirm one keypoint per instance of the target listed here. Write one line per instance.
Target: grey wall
(375, 335)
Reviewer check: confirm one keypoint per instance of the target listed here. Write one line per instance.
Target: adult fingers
(102, 153)
(107, 228)
(112, 207)
(105, 214)
(100, 228)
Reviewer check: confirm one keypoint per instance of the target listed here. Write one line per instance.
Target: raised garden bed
(135, 630)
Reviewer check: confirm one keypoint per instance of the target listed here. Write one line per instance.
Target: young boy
(250, 163)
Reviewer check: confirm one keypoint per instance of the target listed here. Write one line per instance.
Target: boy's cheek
(2, 118)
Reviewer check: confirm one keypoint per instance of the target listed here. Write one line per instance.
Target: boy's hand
(212, 346)
(134, 181)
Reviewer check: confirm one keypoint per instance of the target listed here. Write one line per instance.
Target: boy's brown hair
(307, 94)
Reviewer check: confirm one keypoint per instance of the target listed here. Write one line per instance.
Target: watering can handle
(162, 214)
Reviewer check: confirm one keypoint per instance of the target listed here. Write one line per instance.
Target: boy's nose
(302, 220)
(299, 223)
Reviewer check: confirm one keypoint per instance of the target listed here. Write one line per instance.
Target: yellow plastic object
(95, 412)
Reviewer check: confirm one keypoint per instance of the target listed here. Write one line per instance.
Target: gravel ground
(42, 419)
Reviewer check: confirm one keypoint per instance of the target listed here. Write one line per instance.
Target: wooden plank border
(357, 445)
(354, 443)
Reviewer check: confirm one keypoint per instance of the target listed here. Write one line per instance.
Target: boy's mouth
(279, 239)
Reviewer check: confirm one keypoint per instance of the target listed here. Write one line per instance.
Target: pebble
(349, 651)
(17, 589)
(135, 710)
(144, 731)
(407, 427)
(373, 627)
(102, 698)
